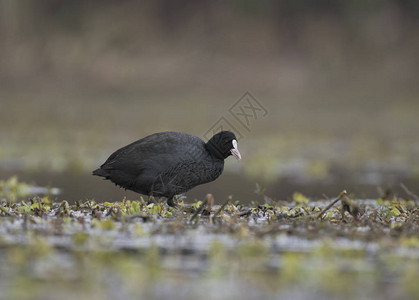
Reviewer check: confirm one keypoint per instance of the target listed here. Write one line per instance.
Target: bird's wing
(155, 153)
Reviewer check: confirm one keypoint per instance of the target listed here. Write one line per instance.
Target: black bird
(166, 164)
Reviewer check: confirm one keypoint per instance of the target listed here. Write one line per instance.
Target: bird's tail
(100, 172)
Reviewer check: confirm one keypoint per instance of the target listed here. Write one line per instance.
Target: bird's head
(223, 144)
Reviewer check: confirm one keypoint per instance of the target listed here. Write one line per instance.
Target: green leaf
(135, 207)
(197, 204)
(395, 211)
(300, 199)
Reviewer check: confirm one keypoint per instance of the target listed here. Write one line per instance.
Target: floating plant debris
(131, 248)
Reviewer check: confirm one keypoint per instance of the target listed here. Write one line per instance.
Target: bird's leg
(171, 202)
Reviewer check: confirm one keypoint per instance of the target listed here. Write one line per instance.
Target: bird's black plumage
(166, 164)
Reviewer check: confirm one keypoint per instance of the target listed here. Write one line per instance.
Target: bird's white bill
(235, 151)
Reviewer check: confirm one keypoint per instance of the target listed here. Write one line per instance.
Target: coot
(166, 164)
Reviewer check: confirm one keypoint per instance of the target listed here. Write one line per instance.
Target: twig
(199, 209)
(326, 197)
(409, 192)
(222, 207)
(342, 194)
(210, 199)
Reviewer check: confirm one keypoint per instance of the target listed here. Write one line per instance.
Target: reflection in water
(82, 186)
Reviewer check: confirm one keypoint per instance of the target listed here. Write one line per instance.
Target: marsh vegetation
(129, 248)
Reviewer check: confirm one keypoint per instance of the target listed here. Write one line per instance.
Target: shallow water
(75, 186)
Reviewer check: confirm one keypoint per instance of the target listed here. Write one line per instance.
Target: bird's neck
(214, 150)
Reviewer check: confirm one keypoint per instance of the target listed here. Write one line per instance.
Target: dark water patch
(82, 186)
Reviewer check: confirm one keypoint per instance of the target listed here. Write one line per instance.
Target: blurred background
(339, 81)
